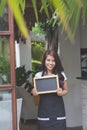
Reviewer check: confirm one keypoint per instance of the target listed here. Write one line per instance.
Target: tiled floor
(32, 125)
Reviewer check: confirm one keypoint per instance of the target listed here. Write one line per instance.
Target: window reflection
(5, 110)
(84, 62)
(4, 21)
(5, 95)
(4, 60)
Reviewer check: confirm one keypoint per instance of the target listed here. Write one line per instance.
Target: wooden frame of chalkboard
(46, 84)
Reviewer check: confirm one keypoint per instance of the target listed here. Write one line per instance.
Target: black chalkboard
(46, 84)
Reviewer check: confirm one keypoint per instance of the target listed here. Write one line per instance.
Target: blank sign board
(46, 84)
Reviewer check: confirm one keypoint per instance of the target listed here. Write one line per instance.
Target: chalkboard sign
(46, 84)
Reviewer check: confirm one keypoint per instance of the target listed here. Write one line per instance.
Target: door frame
(12, 84)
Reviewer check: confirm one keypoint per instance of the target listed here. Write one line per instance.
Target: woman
(51, 112)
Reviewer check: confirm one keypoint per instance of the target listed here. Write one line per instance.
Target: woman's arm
(63, 91)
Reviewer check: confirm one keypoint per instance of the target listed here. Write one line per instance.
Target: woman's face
(50, 63)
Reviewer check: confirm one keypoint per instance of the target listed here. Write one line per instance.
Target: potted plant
(22, 77)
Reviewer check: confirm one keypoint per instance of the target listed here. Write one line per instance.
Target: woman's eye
(48, 59)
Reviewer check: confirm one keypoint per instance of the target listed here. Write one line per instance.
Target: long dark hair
(58, 66)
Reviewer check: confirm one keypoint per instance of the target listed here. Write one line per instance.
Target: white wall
(25, 55)
(70, 57)
(17, 54)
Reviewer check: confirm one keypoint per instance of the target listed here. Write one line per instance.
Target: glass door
(8, 107)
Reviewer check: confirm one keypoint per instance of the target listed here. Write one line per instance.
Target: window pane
(84, 62)
(4, 60)
(5, 110)
(4, 21)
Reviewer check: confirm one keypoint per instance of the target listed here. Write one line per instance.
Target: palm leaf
(75, 8)
(84, 11)
(35, 9)
(22, 5)
(63, 14)
(45, 7)
(75, 19)
(18, 16)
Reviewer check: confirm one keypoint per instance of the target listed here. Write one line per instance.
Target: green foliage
(36, 29)
(45, 28)
(35, 66)
(68, 12)
(4, 69)
(4, 65)
(38, 49)
(2, 6)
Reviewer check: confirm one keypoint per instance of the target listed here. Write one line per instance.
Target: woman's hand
(34, 92)
(59, 91)
(62, 91)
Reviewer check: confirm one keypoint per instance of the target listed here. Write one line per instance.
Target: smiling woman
(50, 117)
